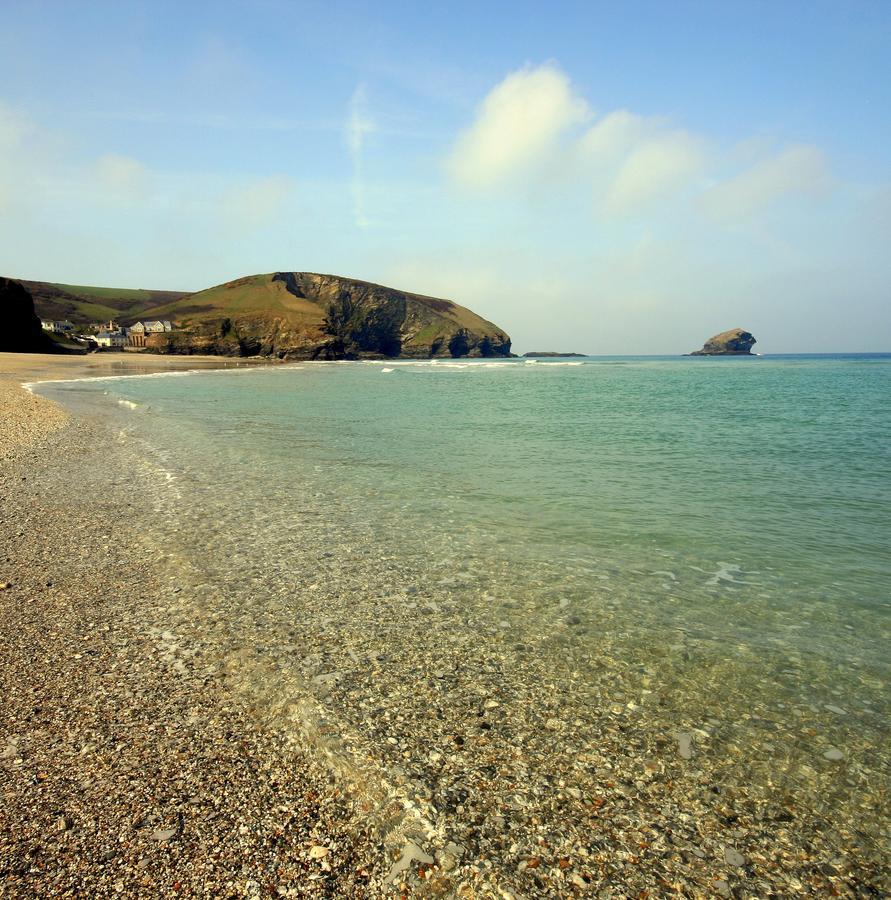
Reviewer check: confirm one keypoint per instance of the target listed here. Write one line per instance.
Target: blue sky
(609, 178)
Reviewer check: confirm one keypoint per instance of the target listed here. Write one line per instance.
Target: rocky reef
(735, 342)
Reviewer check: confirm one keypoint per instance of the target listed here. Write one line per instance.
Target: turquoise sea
(700, 547)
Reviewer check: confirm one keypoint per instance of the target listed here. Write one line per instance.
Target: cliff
(303, 315)
(735, 342)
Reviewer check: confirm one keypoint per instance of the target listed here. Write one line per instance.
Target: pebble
(733, 857)
(165, 834)
(411, 853)
(834, 754)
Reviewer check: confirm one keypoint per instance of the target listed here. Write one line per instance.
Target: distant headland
(547, 354)
(735, 342)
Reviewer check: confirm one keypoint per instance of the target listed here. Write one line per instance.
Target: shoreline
(40, 367)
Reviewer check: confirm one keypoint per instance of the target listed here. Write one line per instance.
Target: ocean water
(695, 551)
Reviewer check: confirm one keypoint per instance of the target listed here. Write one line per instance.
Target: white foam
(128, 403)
(387, 370)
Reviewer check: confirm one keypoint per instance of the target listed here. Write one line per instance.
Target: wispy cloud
(798, 170)
(258, 202)
(654, 169)
(123, 177)
(614, 135)
(13, 127)
(358, 126)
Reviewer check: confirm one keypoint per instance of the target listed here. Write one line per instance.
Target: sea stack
(735, 342)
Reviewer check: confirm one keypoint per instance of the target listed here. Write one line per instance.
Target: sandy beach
(125, 770)
(22, 367)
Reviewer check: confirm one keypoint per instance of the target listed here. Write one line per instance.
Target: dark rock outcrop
(735, 342)
(20, 330)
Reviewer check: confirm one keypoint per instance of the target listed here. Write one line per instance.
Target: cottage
(136, 335)
(111, 339)
(56, 327)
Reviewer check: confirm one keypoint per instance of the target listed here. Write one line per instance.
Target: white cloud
(359, 125)
(654, 169)
(799, 169)
(518, 124)
(614, 135)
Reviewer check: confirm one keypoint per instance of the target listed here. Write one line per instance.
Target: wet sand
(24, 367)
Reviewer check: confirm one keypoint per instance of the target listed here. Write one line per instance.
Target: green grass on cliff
(255, 295)
(83, 303)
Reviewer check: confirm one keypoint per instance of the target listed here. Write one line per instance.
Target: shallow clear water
(766, 482)
(721, 527)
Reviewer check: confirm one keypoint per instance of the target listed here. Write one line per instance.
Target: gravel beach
(125, 771)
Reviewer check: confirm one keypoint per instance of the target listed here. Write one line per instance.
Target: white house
(110, 339)
(56, 327)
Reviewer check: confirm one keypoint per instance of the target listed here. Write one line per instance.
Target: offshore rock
(735, 342)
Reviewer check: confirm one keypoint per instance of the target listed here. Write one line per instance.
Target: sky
(609, 178)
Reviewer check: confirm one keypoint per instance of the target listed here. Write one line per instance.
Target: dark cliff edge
(20, 330)
(735, 342)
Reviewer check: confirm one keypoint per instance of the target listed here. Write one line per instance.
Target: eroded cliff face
(735, 342)
(301, 315)
(238, 336)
